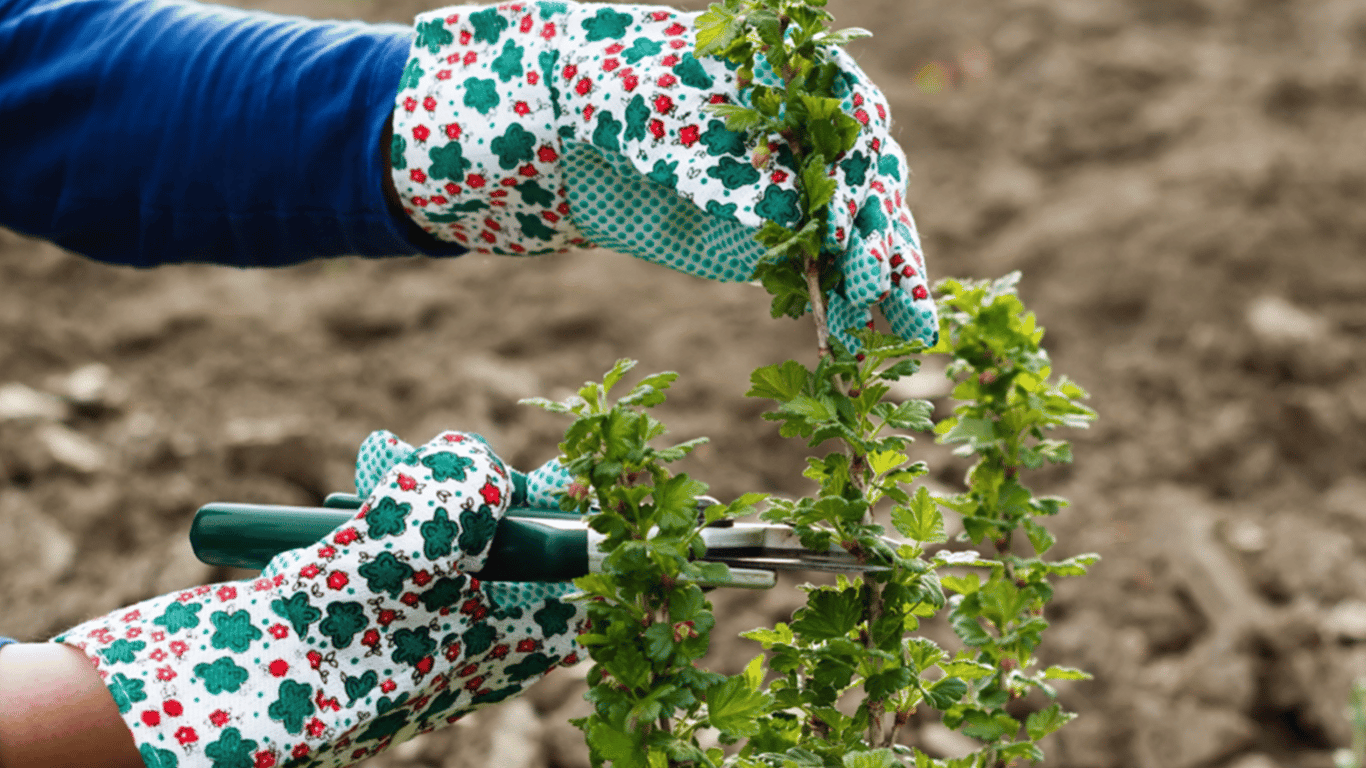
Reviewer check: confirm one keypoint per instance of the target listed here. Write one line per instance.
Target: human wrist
(57, 713)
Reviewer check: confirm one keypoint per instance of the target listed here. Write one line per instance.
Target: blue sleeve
(146, 132)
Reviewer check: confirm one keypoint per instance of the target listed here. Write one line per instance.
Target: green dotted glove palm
(344, 648)
(531, 127)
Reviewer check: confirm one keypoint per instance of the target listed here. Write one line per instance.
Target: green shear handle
(530, 544)
(249, 535)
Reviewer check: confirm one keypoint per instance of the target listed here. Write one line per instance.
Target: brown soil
(1182, 184)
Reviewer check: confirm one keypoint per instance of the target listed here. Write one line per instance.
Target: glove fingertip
(911, 318)
(865, 275)
(545, 485)
(378, 453)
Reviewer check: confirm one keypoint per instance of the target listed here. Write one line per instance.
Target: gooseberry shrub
(834, 686)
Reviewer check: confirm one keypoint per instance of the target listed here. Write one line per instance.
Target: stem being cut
(812, 272)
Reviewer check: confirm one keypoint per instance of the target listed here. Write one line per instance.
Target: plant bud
(761, 157)
(684, 630)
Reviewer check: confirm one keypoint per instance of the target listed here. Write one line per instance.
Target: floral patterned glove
(530, 127)
(344, 648)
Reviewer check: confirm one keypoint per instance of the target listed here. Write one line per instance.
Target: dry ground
(1182, 184)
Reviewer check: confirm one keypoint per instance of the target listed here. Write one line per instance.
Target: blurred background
(1181, 183)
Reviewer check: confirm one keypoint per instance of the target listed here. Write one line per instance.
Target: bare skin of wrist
(55, 712)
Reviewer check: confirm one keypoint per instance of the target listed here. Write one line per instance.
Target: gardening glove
(528, 128)
(346, 647)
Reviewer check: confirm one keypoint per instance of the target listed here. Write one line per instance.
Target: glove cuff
(475, 154)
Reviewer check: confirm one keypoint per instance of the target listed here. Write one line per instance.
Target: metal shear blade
(775, 547)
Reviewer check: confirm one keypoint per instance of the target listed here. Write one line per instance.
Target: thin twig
(813, 286)
(872, 612)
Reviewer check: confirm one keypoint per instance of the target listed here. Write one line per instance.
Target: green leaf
(676, 452)
(923, 652)
(816, 409)
(754, 672)
(769, 101)
(875, 758)
(687, 604)
(1020, 750)
(546, 405)
(1065, 673)
(989, 726)
(676, 502)
(733, 706)
(921, 521)
(738, 119)
(967, 669)
(817, 184)
(628, 664)
(1045, 721)
(780, 633)
(969, 630)
(828, 614)
(945, 693)
(1001, 601)
(844, 36)
(971, 430)
(887, 682)
(716, 29)
(766, 23)
(622, 749)
(963, 585)
(781, 382)
(619, 370)
(1040, 537)
(886, 461)
(742, 506)
(1073, 566)
(786, 285)
(914, 415)
(659, 642)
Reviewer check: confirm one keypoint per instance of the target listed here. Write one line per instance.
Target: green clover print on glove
(342, 648)
(178, 617)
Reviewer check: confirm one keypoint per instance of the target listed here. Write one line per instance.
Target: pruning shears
(530, 544)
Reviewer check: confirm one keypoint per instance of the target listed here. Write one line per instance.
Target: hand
(556, 124)
(342, 649)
